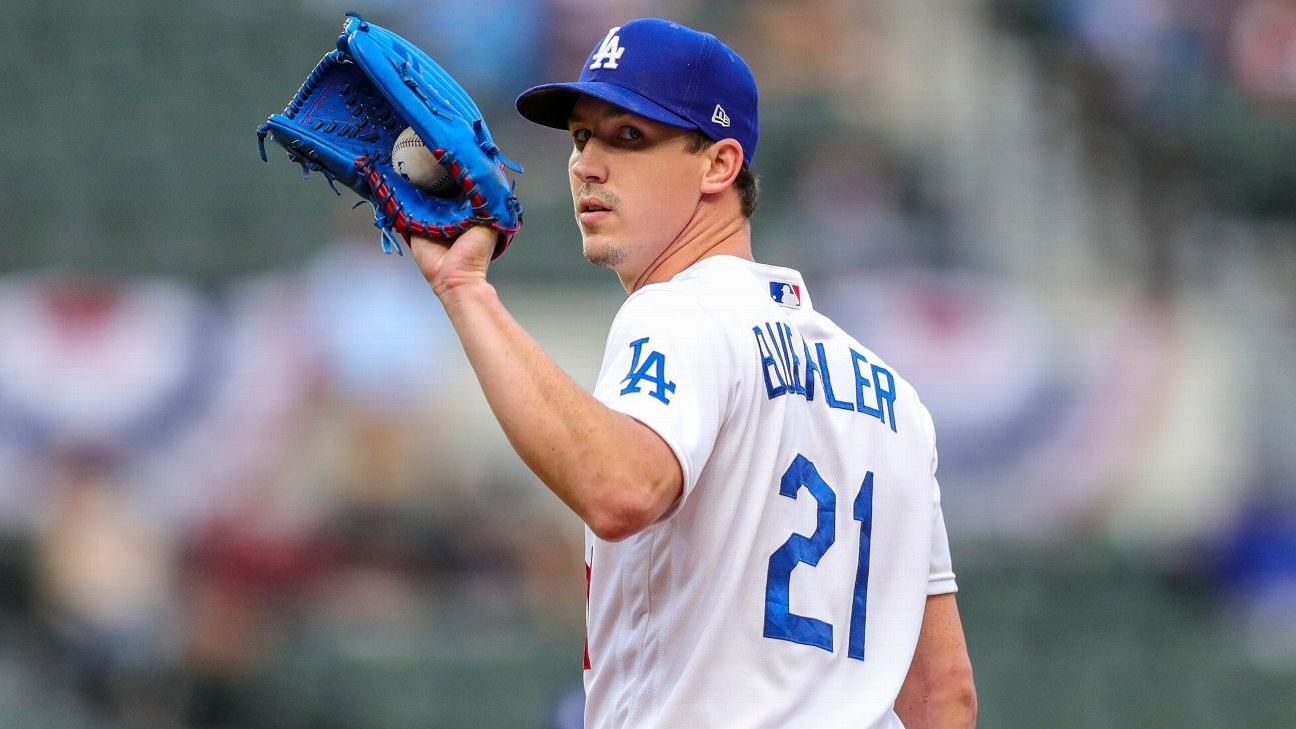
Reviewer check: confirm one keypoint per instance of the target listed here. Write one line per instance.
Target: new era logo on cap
(665, 72)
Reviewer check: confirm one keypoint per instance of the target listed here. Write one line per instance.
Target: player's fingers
(447, 264)
(474, 242)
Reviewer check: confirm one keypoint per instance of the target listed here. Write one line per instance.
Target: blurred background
(247, 479)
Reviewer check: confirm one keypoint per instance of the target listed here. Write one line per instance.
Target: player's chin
(602, 250)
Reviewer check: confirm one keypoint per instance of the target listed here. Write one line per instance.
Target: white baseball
(414, 161)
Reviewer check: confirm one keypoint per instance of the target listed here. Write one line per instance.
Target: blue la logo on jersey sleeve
(651, 369)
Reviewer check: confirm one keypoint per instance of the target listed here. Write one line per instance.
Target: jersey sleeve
(667, 365)
(940, 576)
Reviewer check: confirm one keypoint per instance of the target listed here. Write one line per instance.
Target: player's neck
(707, 234)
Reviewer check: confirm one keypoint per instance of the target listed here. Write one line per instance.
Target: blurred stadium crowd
(247, 480)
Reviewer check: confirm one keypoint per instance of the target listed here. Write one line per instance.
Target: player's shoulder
(904, 390)
(705, 294)
(727, 287)
(669, 316)
(667, 305)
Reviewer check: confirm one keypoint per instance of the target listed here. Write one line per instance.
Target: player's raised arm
(650, 202)
(613, 471)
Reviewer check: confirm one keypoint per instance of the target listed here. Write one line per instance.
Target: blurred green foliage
(134, 148)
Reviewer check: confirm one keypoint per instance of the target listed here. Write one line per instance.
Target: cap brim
(551, 104)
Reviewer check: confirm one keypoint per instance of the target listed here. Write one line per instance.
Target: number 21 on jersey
(780, 622)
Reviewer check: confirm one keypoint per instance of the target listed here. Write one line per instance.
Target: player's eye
(580, 137)
(628, 134)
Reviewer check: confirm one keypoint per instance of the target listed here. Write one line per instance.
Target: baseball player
(764, 542)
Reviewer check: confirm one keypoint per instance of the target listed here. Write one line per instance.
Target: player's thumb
(478, 244)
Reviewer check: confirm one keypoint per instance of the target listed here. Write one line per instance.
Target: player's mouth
(592, 211)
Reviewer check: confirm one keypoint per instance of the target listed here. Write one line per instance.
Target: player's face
(634, 184)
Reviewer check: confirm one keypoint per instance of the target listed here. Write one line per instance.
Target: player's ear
(725, 159)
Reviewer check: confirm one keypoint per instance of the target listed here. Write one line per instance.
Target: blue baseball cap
(665, 72)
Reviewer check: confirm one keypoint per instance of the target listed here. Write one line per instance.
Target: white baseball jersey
(786, 587)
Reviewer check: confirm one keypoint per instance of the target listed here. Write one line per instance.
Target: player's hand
(448, 264)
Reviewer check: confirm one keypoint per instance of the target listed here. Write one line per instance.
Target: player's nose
(588, 165)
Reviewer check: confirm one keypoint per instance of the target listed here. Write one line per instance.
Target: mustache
(608, 197)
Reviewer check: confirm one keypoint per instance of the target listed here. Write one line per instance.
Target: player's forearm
(943, 698)
(911, 703)
(591, 456)
(939, 692)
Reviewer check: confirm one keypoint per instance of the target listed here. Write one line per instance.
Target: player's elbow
(623, 516)
(953, 698)
(614, 529)
(630, 494)
(625, 509)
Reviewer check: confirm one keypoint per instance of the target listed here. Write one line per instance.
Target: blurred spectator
(380, 336)
(1256, 568)
(494, 48)
(831, 49)
(1262, 50)
(109, 587)
(1202, 88)
(391, 361)
(134, 413)
(850, 203)
(1153, 46)
(575, 25)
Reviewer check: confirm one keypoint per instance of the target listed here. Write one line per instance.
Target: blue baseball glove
(344, 121)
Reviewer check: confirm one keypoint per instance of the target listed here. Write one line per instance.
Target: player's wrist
(471, 292)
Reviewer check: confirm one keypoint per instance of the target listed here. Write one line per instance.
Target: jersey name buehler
(788, 373)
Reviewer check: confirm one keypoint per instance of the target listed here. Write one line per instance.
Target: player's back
(787, 587)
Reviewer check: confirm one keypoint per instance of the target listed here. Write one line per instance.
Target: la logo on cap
(673, 75)
(609, 52)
